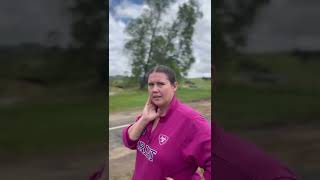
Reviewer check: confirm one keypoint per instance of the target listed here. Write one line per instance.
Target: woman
(172, 140)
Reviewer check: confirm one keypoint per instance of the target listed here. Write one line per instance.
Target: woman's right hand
(150, 111)
(149, 114)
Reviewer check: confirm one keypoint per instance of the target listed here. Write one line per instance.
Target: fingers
(150, 104)
(158, 112)
(148, 100)
(169, 178)
(147, 105)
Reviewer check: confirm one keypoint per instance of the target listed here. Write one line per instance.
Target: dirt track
(296, 145)
(78, 164)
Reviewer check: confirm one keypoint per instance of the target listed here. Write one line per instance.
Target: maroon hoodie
(180, 143)
(236, 159)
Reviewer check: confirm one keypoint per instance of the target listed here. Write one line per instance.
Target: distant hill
(117, 77)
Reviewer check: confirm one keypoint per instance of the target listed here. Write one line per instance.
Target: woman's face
(160, 89)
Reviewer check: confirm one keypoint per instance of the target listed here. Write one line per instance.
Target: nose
(155, 88)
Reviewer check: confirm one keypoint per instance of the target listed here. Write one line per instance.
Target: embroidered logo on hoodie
(163, 139)
(146, 150)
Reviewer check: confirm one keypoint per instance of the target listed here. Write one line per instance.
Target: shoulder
(187, 112)
(190, 115)
(193, 120)
(233, 154)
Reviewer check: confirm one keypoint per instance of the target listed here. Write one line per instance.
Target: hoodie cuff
(127, 141)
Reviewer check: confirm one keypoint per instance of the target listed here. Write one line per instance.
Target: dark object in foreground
(98, 174)
(234, 158)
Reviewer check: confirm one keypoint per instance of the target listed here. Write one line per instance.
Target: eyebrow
(158, 82)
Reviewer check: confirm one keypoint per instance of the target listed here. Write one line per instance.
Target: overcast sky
(121, 11)
(281, 25)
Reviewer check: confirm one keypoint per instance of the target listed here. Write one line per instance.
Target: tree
(155, 42)
(232, 19)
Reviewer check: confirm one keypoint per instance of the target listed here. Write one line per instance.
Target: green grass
(44, 128)
(126, 100)
(135, 98)
(187, 95)
(199, 83)
(66, 120)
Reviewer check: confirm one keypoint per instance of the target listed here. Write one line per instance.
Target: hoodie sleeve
(197, 147)
(129, 143)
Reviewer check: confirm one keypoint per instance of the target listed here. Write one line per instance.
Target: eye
(160, 84)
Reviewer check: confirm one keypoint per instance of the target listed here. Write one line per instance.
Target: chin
(159, 104)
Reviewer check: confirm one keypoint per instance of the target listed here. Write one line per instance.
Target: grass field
(66, 120)
(126, 99)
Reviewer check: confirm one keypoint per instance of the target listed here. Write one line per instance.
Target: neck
(164, 109)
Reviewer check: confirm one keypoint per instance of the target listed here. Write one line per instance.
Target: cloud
(201, 41)
(201, 38)
(128, 10)
(118, 62)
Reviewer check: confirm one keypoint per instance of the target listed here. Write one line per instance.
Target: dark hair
(163, 69)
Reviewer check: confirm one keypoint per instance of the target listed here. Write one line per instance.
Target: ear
(175, 86)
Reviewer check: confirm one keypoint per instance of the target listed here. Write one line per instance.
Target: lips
(156, 97)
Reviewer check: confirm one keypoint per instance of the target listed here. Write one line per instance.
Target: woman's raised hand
(150, 111)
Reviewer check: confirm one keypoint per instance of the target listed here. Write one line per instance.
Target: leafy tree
(155, 42)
